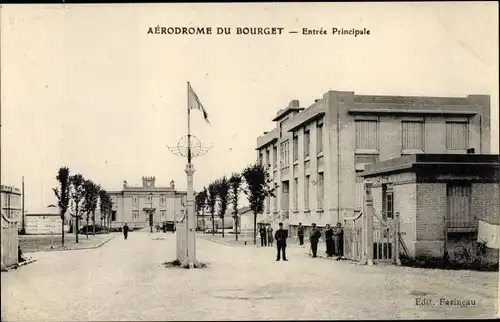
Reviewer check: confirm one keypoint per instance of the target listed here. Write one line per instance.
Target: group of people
(266, 236)
(333, 239)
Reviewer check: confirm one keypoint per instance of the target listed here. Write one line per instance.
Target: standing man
(338, 236)
(125, 230)
(263, 236)
(270, 236)
(314, 238)
(281, 236)
(329, 240)
(300, 233)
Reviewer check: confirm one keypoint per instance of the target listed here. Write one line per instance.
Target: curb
(74, 248)
(224, 243)
(18, 265)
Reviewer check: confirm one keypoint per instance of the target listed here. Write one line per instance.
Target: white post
(190, 259)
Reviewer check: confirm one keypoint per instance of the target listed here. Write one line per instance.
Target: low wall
(9, 242)
(490, 234)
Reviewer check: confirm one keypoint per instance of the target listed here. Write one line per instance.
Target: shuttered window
(366, 135)
(295, 148)
(306, 193)
(319, 137)
(457, 135)
(321, 190)
(413, 135)
(295, 193)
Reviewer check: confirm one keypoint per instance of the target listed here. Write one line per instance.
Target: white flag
(194, 103)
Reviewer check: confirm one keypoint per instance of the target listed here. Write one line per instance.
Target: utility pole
(22, 209)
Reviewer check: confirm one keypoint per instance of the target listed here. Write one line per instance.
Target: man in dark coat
(300, 233)
(263, 236)
(125, 230)
(281, 235)
(314, 239)
(329, 240)
(338, 236)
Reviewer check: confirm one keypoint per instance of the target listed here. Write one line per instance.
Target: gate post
(369, 223)
(396, 229)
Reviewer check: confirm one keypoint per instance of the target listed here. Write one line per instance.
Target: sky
(85, 86)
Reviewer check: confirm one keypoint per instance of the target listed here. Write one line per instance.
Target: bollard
(52, 239)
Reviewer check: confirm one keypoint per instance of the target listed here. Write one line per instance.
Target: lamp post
(151, 211)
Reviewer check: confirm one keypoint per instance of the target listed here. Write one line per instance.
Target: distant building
(314, 154)
(45, 222)
(138, 206)
(11, 203)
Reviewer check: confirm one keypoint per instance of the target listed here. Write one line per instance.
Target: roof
(434, 161)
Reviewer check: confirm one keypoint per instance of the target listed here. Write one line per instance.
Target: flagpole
(189, 126)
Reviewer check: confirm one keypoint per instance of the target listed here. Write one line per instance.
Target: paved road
(123, 280)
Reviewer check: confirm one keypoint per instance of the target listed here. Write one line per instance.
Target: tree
(200, 202)
(62, 195)
(222, 188)
(77, 194)
(235, 183)
(91, 193)
(257, 190)
(211, 201)
(105, 205)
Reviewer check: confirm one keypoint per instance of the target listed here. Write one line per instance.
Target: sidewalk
(44, 243)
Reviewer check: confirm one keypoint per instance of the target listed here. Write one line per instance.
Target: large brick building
(314, 154)
(138, 206)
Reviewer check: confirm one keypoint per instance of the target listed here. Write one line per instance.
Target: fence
(353, 230)
(369, 238)
(10, 242)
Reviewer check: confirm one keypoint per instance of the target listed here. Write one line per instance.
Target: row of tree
(83, 196)
(254, 181)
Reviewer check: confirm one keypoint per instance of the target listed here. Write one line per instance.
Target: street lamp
(151, 211)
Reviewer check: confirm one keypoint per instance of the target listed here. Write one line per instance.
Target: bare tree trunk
(213, 225)
(203, 218)
(62, 230)
(236, 225)
(77, 228)
(93, 223)
(222, 227)
(254, 228)
(87, 227)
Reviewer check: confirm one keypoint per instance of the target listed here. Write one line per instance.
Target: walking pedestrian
(338, 236)
(314, 239)
(270, 236)
(263, 236)
(300, 233)
(281, 236)
(125, 230)
(329, 240)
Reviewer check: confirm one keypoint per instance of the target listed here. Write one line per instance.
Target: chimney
(265, 132)
(124, 183)
(172, 184)
(294, 104)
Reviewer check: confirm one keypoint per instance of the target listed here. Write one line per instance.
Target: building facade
(140, 206)
(314, 154)
(11, 201)
(440, 198)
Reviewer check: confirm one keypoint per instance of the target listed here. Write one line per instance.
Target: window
(135, 201)
(284, 154)
(413, 135)
(268, 155)
(366, 135)
(275, 155)
(321, 190)
(387, 202)
(457, 136)
(135, 215)
(260, 158)
(268, 203)
(163, 200)
(307, 143)
(163, 214)
(319, 136)
(306, 193)
(275, 203)
(295, 193)
(113, 215)
(295, 148)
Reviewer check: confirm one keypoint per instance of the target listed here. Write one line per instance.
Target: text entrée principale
(252, 31)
